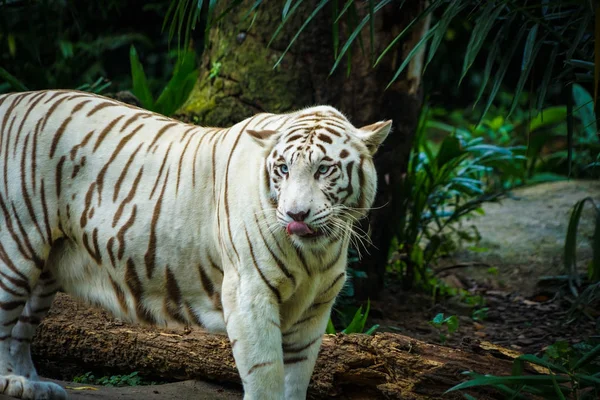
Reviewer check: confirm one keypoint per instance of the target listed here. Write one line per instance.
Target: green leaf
(372, 329)
(509, 380)
(174, 14)
(546, 177)
(585, 111)
(231, 6)
(570, 131)
(140, 84)
(12, 81)
(449, 150)
(453, 9)
(372, 28)
(596, 59)
(412, 53)
(183, 15)
(557, 389)
(286, 9)
(502, 68)
(4, 87)
(587, 358)
(66, 48)
(428, 10)
(299, 31)
(548, 117)
(529, 55)
(518, 367)
(192, 19)
(335, 28)
(353, 24)
(330, 330)
(365, 315)
(356, 325)
(346, 7)
(542, 362)
(588, 379)
(570, 249)
(452, 323)
(546, 79)
(588, 65)
(438, 319)
(212, 4)
(247, 14)
(282, 24)
(595, 264)
(12, 45)
(491, 59)
(485, 22)
(356, 33)
(579, 35)
(179, 87)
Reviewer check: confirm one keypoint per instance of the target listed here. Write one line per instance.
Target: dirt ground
(188, 390)
(522, 238)
(523, 235)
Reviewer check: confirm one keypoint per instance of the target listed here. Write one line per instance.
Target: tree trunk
(386, 365)
(238, 80)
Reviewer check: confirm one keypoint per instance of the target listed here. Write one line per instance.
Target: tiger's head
(320, 173)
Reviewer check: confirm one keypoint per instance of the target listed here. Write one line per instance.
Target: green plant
(176, 91)
(571, 372)
(99, 86)
(450, 324)
(132, 379)
(214, 70)
(442, 187)
(575, 133)
(357, 324)
(570, 248)
(480, 314)
(561, 29)
(43, 44)
(586, 294)
(542, 135)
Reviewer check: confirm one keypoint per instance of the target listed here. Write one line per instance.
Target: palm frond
(561, 27)
(356, 33)
(484, 24)
(318, 8)
(502, 68)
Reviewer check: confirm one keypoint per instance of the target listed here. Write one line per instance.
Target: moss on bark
(238, 79)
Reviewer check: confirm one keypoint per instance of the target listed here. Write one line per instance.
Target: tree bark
(386, 365)
(238, 80)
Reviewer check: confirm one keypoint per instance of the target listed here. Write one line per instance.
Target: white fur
(201, 221)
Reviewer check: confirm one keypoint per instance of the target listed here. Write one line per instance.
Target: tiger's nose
(298, 216)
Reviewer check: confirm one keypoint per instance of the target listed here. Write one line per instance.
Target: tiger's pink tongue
(298, 228)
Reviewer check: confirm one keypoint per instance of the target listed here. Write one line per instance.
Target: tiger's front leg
(301, 344)
(252, 320)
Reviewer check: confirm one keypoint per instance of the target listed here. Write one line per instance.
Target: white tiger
(243, 230)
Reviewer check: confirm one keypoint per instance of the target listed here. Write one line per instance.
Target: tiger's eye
(323, 169)
(284, 169)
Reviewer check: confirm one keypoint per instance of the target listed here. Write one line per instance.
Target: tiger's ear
(262, 138)
(373, 135)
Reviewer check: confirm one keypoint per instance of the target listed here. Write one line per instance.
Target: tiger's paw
(26, 389)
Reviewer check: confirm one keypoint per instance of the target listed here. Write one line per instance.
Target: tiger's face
(321, 174)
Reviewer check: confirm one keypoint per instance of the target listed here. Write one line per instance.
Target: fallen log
(385, 365)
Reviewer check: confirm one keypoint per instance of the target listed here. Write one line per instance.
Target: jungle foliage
(569, 372)
(531, 119)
